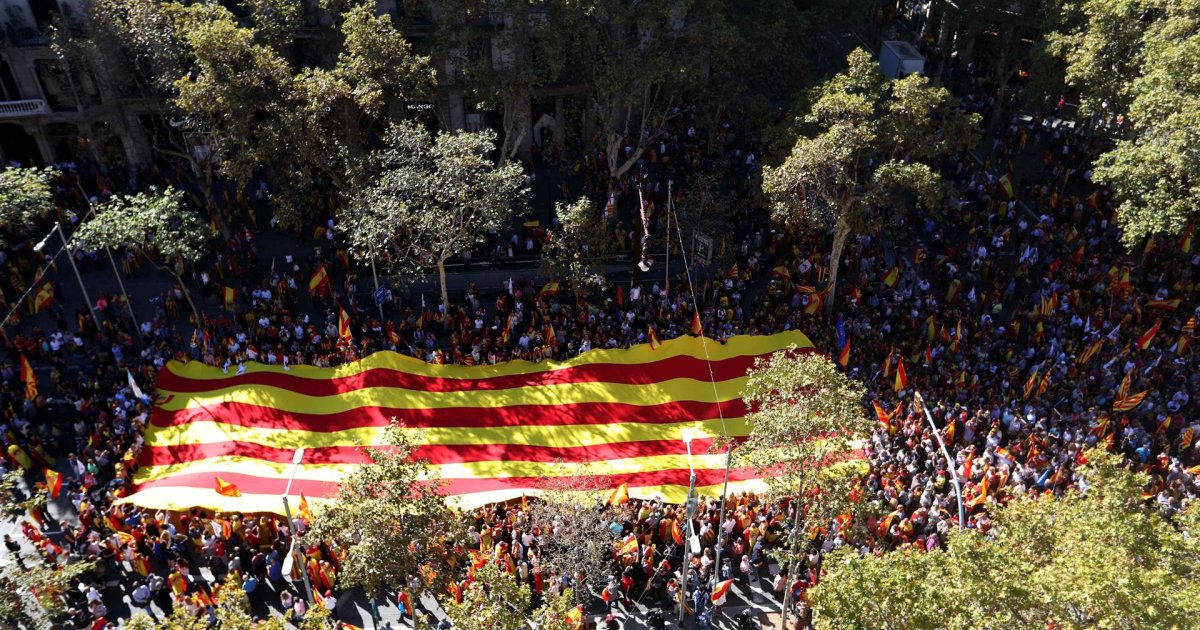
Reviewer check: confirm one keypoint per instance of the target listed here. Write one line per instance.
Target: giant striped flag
(493, 433)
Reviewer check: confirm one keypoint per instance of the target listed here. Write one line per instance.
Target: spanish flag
(29, 378)
(620, 495)
(1093, 200)
(628, 546)
(901, 382)
(1031, 383)
(53, 482)
(655, 344)
(844, 356)
(44, 297)
(319, 278)
(697, 327)
(1164, 305)
(1006, 185)
(226, 489)
(892, 277)
(1185, 240)
(880, 414)
(887, 363)
(720, 592)
(344, 333)
(575, 617)
(815, 301)
(1143, 342)
(676, 532)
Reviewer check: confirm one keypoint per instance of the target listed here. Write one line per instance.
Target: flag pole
(287, 510)
(962, 518)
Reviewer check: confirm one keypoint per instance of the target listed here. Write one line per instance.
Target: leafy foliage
(434, 198)
(390, 519)
(498, 601)
(572, 517)
(24, 194)
(33, 597)
(1138, 58)
(1099, 557)
(232, 611)
(581, 245)
(866, 140)
(250, 105)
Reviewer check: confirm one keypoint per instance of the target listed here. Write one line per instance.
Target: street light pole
(962, 519)
(297, 457)
(137, 331)
(691, 509)
(79, 278)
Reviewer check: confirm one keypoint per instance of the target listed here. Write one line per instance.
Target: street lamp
(290, 560)
(962, 520)
(688, 435)
(70, 257)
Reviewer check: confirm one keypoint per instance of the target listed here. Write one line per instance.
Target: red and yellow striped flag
(491, 432)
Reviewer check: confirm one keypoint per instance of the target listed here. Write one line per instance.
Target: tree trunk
(441, 265)
(187, 295)
(791, 573)
(840, 232)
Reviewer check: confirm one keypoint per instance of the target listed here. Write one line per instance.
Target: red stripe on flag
(256, 416)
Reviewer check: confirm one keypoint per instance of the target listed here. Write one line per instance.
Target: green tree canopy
(25, 193)
(434, 198)
(495, 600)
(1139, 59)
(390, 519)
(807, 419)
(866, 140)
(250, 104)
(1100, 557)
(156, 225)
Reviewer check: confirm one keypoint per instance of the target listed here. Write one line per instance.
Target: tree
(35, 596)
(573, 519)
(24, 195)
(494, 600)
(390, 519)
(1098, 557)
(433, 199)
(232, 612)
(866, 141)
(501, 67)
(1138, 59)
(580, 247)
(808, 418)
(250, 105)
(153, 224)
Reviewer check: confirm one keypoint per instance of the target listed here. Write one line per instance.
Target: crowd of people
(1016, 312)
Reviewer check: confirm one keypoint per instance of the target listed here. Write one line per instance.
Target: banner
(493, 433)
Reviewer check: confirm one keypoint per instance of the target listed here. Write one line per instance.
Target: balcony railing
(21, 109)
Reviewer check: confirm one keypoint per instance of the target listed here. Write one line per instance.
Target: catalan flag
(230, 294)
(1129, 403)
(491, 432)
(619, 496)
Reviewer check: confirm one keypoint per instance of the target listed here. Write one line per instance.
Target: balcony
(22, 109)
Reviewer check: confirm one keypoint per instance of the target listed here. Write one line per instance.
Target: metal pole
(667, 264)
(962, 517)
(297, 457)
(721, 519)
(375, 277)
(690, 511)
(137, 332)
(308, 592)
(71, 257)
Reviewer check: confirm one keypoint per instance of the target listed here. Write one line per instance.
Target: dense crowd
(1022, 320)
